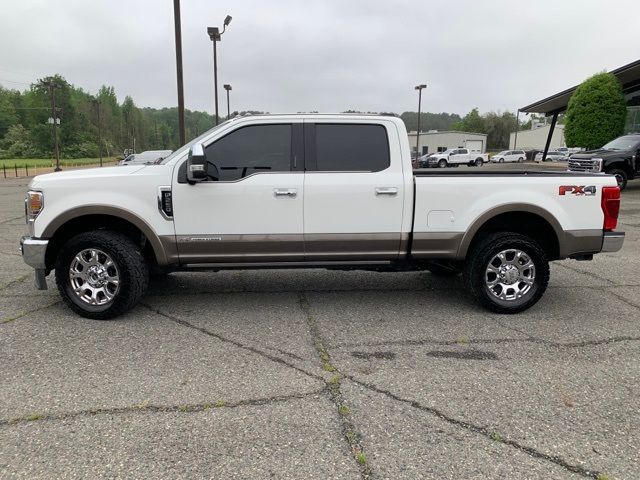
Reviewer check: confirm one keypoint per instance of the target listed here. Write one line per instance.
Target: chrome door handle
(285, 192)
(386, 191)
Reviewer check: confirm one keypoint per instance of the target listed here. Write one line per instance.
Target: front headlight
(34, 203)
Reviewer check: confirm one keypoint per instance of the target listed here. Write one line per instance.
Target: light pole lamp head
(420, 87)
(227, 87)
(214, 33)
(227, 20)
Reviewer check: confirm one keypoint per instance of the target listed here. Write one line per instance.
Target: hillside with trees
(26, 133)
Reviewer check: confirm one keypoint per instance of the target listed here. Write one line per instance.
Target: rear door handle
(386, 191)
(285, 192)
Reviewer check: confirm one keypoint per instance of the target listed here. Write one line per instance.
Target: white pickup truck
(458, 156)
(330, 191)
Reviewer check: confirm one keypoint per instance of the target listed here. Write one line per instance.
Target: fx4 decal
(579, 190)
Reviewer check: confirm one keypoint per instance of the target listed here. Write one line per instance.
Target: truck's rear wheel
(101, 274)
(478, 162)
(621, 177)
(442, 163)
(507, 272)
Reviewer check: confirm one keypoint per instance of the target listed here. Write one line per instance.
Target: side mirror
(196, 164)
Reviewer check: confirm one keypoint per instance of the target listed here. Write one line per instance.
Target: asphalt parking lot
(321, 374)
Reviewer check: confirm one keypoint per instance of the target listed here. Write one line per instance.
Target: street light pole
(228, 88)
(178, 32)
(216, 36)
(419, 88)
(515, 137)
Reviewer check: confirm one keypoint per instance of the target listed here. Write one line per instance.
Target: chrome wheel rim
(94, 277)
(510, 274)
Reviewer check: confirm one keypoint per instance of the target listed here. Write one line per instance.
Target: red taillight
(610, 207)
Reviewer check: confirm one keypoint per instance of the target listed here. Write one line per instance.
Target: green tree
(596, 112)
(471, 122)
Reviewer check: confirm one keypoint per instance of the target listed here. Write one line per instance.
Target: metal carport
(628, 76)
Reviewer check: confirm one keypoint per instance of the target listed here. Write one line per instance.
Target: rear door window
(351, 148)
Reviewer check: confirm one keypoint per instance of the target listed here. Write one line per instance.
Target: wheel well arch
(620, 165)
(527, 220)
(87, 219)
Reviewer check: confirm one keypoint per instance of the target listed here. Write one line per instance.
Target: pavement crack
(620, 297)
(22, 278)
(145, 407)
(349, 430)
(9, 220)
(587, 273)
(480, 430)
(22, 314)
(236, 343)
(497, 341)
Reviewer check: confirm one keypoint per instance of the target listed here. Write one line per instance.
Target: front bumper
(33, 253)
(612, 241)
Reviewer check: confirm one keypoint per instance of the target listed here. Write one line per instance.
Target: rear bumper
(33, 253)
(612, 241)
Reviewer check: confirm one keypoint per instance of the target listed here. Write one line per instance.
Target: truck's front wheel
(621, 177)
(442, 163)
(101, 274)
(507, 272)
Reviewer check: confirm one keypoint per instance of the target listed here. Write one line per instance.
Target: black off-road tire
(131, 265)
(482, 253)
(478, 162)
(621, 177)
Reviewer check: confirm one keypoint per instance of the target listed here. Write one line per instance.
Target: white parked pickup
(330, 191)
(458, 156)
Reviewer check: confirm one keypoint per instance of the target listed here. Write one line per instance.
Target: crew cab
(619, 157)
(458, 156)
(301, 191)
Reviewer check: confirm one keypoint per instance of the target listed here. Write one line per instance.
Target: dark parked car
(619, 157)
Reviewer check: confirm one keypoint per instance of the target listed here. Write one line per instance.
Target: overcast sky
(325, 55)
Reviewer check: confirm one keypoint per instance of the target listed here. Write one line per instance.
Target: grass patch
(183, 408)
(362, 458)
(462, 340)
(603, 476)
(33, 417)
(220, 404)
(327, 367)
(335, 380)
(344, 410)
(50, 162)
(496, 437)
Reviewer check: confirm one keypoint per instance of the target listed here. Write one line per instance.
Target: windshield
(187, 146)
(622, 143)
(504, 152)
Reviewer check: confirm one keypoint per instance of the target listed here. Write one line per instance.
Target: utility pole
(97, 104)
(515, 137)
(419, 88)
(228, 88)
(52, 86)
(178, 31)
(215, 35)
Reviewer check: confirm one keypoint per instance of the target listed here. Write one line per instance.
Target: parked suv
(509, 156)
(619, 157)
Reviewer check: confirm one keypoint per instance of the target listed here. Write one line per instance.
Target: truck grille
(591, 165)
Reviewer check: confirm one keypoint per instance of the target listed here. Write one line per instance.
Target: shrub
(596, 112)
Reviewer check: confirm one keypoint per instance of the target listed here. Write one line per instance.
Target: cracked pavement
(322, 374)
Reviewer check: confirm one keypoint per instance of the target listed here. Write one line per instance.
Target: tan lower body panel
(436, 244)
(193, 249)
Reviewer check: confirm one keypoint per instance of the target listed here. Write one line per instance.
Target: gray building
(434, 141)
(536, 138)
